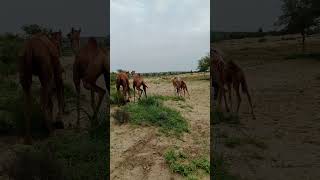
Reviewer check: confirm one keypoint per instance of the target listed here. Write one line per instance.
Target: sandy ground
(137, 152)
(286, 99)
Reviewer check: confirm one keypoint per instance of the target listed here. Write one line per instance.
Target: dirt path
(286, 98)
(137, 152)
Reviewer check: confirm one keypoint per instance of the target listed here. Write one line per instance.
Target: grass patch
(151, 111)
(171, 98)
(304, 56)
(229, 118)
(232, 142)
(71, 155)
(180, 163)
(221, 169)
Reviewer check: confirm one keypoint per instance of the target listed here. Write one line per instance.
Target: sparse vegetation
(185, 165)
(151, 111)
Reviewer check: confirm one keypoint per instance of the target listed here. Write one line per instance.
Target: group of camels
(40, 56)
(122, 80)
(227, 74)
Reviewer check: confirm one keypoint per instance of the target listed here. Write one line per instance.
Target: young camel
(40, 57)
(123, 80)
(184, 88)
(90, 63)
(235, 77)
(74, 37)
(217, 68)
(179, 85)
(137, 83)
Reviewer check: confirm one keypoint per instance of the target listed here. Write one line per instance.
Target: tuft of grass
(151, 111)
(180, 163)
(229, 118)
(304, 56)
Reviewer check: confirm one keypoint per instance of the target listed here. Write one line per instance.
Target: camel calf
(234, 76)
(179, 85)
(137, 83)
(123, 80)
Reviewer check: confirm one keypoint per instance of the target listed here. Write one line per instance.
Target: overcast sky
(244, 15)
(91, 15)
(159, 35)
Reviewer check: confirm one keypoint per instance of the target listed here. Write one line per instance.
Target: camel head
(74, 37)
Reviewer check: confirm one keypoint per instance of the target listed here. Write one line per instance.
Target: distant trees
(299, 16)
(204, 63)
(31, 29)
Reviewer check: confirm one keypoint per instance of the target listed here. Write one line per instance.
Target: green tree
(31, 29)
(204, 63)
(299, 16)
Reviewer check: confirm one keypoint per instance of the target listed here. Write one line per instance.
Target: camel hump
(53, 50)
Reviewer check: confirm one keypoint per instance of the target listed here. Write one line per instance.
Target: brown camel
(137, 83)
(179, 85)
(40, 57)
(123, 80)
(217, 68)
(235, 77)
(184, 88)
(90, 63)
(74, 37)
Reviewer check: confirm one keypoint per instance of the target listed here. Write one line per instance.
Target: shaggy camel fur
(137, 83)
(235, 77)
(90, 63)
(123, 80)
(40, 57)
(74, 37)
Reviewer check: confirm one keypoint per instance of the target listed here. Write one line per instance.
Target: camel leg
(27, 114)
(77, 86)
(236, 88)
(230, 96)
(250, 102)
(46, 107)
(134, 94)
(145, 90)
(100, 91)
(225, 100)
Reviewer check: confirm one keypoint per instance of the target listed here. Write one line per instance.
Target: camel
(40, 57)
(217, 68)
(234, 76)
(74, 37)
(90, 63)
(179, 85)
(137, 83)
(123, 80)
(184, 88)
